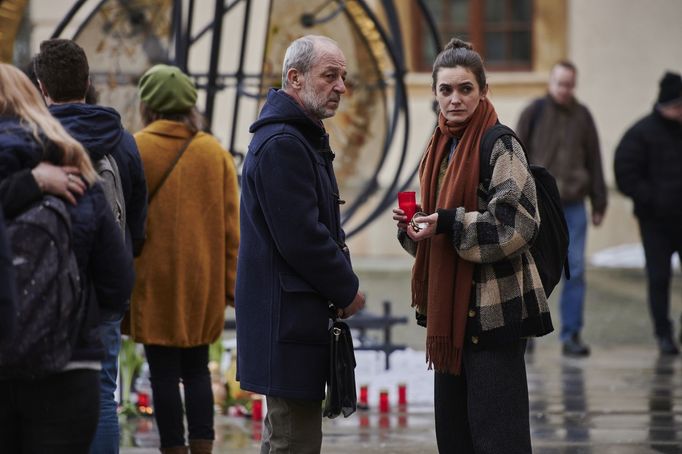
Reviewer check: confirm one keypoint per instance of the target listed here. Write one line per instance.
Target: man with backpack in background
(560, 135)
(648, 168)
(62, 70)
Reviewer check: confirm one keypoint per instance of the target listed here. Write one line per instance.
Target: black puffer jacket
(648, 167)
(102, 257)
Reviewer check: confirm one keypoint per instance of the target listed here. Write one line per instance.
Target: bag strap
(487, 143)
(170, 169)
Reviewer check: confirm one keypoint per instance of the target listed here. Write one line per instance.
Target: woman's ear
(484, 92)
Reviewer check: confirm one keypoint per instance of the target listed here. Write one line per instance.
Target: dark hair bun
(456, 43)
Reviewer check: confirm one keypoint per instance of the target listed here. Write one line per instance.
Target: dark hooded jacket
(105, 266)
(648, 168)
(292, 259)
(100, 131)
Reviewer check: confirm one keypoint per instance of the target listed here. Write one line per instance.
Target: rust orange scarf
(440, 279)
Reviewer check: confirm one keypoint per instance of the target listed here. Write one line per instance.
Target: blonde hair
(19, 98)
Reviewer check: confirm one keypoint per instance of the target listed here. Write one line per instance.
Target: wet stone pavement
(622, 399)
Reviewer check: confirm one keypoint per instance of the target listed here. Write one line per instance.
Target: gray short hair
(301, 55)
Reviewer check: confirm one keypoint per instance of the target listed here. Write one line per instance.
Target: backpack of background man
(550, 247)
(113, 189)
(50, 306)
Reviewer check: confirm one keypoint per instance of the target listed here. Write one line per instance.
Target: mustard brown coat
(187, 269)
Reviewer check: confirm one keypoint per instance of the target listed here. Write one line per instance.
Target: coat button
(472, 313)
(474, 339)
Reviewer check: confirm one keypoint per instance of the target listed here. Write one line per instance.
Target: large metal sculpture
(234, 49)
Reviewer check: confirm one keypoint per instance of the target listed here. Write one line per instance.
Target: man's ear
(294, 78)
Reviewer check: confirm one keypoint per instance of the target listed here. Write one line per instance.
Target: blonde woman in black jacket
(58, 413)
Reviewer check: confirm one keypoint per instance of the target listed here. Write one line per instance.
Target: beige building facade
(621, 49)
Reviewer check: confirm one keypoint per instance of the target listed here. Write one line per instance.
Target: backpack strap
(487, 143)
(108, 170)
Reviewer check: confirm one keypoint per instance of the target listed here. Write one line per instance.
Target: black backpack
(50, 300)
(550, 248)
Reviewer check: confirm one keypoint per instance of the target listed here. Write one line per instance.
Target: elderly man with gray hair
(293, 260)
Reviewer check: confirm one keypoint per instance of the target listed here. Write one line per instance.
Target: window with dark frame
(500, 30)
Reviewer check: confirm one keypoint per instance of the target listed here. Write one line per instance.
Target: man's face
(672, 110)
(562, 84)
(324, 84)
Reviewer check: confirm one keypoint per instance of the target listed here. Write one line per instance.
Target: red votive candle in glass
(383, 401)
(402, 394)
(363, 402)
(142, 399)
(256, 408)
(407, 201)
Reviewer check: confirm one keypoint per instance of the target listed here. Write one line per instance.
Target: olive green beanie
(166, 89)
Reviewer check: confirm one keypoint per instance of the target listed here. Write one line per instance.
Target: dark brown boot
(175, 450)
(200, 446)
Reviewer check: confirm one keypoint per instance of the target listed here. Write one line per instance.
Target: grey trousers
(485, 409)
(292, 426)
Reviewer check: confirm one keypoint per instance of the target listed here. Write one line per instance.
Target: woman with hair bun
(475, 285)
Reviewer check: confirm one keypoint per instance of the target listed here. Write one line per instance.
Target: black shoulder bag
(341, 396)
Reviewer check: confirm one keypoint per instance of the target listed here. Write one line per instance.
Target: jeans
(167, 366)
(56, 414)
(661, 239)
(485, 409)
(292, 426)
(572, 299)
(107, 436)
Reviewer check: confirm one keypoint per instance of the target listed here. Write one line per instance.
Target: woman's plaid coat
(508, 300)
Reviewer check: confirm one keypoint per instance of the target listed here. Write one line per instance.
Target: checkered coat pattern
(508, 301)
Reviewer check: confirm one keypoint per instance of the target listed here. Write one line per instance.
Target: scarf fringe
(443, 356)
(419, 295)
